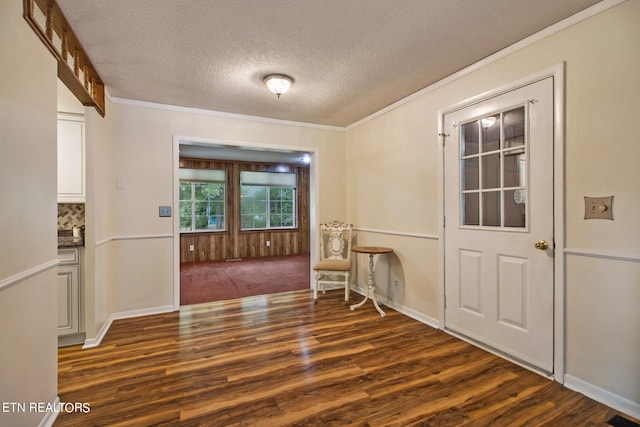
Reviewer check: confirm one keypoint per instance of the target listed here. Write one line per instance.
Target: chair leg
(315, 286)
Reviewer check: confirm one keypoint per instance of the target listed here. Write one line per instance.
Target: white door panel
(498, 204)
(471, 276)
(513, 291)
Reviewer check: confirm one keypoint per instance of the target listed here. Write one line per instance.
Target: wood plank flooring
(280, 360)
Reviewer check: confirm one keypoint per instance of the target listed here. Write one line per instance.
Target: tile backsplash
(70, 215)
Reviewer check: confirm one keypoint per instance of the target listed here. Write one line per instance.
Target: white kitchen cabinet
(68, 299)
(71, 159)
(70, 307)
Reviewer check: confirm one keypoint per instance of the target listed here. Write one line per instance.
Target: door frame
(557, 72)
(314, 196)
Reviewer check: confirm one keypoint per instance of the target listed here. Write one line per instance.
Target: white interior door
(498, 161)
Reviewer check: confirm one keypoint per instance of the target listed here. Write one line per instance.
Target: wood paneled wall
(233, 243)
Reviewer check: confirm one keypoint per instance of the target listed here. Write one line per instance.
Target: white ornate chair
(335, 257)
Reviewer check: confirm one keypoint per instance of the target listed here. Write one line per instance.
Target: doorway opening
(228, 237)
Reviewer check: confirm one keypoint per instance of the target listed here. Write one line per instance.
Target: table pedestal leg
(371, 291)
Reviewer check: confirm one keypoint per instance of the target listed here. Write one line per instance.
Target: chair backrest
(335, 240)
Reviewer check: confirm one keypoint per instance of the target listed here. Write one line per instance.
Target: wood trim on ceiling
(75, 69)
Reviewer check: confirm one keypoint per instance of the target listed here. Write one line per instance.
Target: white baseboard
(50, 417)
(420, 317)
(416, 315)
(95, 342)
(603, 396)
(142, 312)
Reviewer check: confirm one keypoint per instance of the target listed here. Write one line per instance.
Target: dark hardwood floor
(280, 360)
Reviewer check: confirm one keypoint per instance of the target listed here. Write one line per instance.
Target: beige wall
(98, 274)
(28, 212)
(392, 185)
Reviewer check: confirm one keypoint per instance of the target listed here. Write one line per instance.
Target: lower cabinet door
(68, 299)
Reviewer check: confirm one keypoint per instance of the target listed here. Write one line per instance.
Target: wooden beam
(57, 35)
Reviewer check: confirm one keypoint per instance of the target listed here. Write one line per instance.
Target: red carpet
(222, 280)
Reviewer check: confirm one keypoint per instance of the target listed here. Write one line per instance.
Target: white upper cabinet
(71, 159)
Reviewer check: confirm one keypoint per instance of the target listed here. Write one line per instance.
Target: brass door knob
(541, 245)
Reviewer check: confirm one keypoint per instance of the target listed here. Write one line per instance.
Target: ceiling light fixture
(278, 83)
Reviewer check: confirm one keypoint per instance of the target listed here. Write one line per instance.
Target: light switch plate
(598, 207)
(165, 211)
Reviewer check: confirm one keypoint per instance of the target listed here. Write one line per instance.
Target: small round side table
(371, 291)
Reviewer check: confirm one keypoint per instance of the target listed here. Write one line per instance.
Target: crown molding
(176, 108)
(534, 38)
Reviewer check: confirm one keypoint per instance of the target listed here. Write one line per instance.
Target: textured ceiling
(349, 58)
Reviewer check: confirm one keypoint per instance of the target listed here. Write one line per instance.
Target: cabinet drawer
(68, 256)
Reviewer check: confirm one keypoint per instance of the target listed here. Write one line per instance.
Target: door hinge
(444, 138)
(444, 222)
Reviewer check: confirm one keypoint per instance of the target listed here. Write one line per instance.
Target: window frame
(268, 201)
(193, 200)
(503, 150)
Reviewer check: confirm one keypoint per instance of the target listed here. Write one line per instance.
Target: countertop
(67, 240)
(70, 242)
